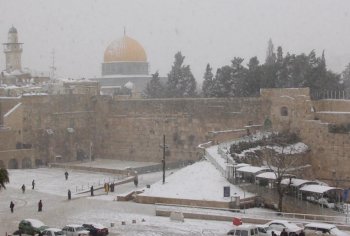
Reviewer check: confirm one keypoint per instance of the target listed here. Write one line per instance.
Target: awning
(318, 188)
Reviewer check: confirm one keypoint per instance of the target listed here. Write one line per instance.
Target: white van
(244, 230)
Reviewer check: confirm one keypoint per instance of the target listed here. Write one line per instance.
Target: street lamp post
(163, 158)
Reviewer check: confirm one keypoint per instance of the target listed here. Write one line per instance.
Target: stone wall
(133, 129)
(62, 128)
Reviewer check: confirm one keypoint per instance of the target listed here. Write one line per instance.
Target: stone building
(14, 74)
(125, 65)
(13, 51)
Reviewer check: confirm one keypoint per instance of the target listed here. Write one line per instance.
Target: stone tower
(13, 51)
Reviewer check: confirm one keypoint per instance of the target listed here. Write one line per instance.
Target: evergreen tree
(238, 78)
(270, 54)
(4, 178)
(253, 77)
(222, 82)
(281, 72)
(345, 77)
(208, 82)
(154, 88)
(181, 82)
(230, 81)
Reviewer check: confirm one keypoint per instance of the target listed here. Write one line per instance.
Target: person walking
(40, 206)
(33, 184)
(12, 205)
(23, 188)
(136, 181)
(69, 194)
(66, 175)
(92, 190)
(284, 232)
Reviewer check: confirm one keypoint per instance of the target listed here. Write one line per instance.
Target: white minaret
(13, 51)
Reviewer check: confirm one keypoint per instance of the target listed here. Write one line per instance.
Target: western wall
(41, 129)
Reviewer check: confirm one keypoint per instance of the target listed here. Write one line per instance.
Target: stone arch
(2, 164)
(26, 163)
(284, 111)
(13, 164)
(39, 162)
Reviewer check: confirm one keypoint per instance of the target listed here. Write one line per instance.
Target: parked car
(96, 229)
(75, 230)
(324, 228)
(266, 231)
(325, 202)
(53, 232)
(244, 230)
(279, 225)
(31, 226)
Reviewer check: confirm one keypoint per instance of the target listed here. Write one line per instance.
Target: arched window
(284, 111)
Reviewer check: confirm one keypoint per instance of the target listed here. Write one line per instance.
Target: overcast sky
(205, 31)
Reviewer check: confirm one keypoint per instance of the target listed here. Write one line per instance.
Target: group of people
(24, 187)
(40, 206)
(285, 233)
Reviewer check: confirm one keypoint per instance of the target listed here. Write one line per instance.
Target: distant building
(125, 68)
(14, 75)
(13, 51)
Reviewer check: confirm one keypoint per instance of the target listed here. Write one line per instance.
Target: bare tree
(285, 162)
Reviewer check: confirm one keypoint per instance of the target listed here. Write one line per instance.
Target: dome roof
(125, 49)
(13, 30)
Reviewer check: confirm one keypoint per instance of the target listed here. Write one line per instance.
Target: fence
(227, 214)
(98, 183)
(330, 94)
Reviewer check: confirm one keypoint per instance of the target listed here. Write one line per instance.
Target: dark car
(96, 229)
(31, 226)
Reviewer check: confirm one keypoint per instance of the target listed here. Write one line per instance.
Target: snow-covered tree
(154, 88)
(181, 82)
(208, 82)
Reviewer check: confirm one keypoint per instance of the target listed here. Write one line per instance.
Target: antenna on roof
(52, 67)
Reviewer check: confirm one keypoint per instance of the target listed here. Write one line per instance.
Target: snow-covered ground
(51, 187)
(199, 181)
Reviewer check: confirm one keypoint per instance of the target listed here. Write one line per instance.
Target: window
(284, 111)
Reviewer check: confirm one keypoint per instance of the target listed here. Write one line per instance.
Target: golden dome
(125, 49)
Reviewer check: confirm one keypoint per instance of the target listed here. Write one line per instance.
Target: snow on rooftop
(200, 181)
(267, 175)
(13, 109)
(285, 96)
(241, 165)
(252, 169)
(297, 182)
(35, 94)
(333, 112)
(317, 188)
(321, 225)
(35, 223)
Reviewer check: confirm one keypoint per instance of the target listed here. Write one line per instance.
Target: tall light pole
(163, 158)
